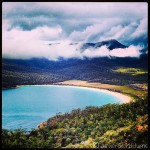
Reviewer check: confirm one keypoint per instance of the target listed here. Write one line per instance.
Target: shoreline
(121, 96)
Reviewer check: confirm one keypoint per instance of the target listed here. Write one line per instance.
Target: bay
(27, 106)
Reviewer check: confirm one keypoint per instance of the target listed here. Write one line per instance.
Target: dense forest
(42, 71)
(108, 126)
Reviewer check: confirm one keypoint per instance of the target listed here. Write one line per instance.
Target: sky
(29, 27)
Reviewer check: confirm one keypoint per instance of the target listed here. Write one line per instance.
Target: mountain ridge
(110, 44)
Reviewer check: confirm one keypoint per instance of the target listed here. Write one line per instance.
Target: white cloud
(27, 26)
(131, 51)
(48, 33)
(99, 52)
(28, 44)
(94, 30)
(81, 9)
(141, 29)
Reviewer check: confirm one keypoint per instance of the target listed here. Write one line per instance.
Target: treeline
(42, 71)
(93, 127)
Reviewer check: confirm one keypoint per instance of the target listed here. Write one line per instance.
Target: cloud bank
(28, 27)
(28, 44)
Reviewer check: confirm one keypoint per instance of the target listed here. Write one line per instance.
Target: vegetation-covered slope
(110, 125)
(42, 71)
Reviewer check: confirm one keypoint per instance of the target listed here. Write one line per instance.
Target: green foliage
(88, 128)
(132, 71)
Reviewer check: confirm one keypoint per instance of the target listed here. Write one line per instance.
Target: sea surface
(27, 106)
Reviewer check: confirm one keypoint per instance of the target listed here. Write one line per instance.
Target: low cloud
(29, 44)
(27, 28)
(131, 51)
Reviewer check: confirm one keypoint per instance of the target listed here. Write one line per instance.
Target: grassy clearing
(134, 93)
(132, 71)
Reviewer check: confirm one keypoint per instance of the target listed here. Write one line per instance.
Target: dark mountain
(111, 44)
(87, 45)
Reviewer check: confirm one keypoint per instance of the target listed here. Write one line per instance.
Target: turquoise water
(28, 106)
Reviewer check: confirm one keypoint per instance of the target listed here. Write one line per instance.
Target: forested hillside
(42, 71)
(108, 126)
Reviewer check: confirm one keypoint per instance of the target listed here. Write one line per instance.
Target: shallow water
(28, 106)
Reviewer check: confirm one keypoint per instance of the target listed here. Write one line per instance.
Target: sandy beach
(84, 85)
(121, 97)
(105, 88)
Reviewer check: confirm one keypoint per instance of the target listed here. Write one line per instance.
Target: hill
(110, 44)
(43, 71)
(89, 128)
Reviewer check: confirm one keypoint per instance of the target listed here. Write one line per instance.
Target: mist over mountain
(110, 44)
(68, 50)
(31, 31)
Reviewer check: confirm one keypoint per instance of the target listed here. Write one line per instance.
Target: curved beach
(122, 97)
